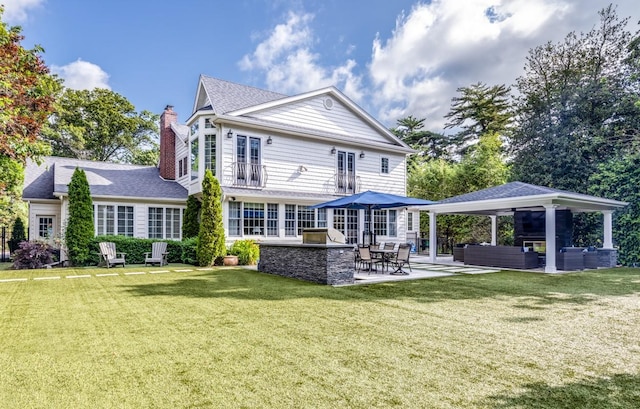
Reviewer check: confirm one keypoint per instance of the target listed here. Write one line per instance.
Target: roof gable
(326, 110)
(224, 96)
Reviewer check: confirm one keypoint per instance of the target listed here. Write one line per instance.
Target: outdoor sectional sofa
(500, 256)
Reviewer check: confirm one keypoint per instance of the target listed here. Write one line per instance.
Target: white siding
(37, 210)
(312, 114)
(286, 155)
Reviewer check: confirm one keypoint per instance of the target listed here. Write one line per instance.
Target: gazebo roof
(507, 198)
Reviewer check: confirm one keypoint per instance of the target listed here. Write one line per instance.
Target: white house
(273, 154)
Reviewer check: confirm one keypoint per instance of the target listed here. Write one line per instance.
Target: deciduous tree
(27, 93)
(101, 125)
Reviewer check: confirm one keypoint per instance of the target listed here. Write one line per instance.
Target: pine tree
(80, 229)
(211, 242)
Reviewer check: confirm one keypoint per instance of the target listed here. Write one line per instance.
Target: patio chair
(365, 259)
(157, 255)
(109, 254)
(401, 259)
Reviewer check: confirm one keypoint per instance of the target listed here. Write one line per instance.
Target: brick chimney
(168, 144)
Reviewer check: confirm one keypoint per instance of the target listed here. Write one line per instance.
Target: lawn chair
(401, 259)
(366, 259)
(109, 254)
(158, 254)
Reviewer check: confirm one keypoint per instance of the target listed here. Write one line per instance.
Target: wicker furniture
(500, 256)
(570, 258)
(458, 253)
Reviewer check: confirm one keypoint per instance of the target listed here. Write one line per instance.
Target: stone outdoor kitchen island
(322, 258)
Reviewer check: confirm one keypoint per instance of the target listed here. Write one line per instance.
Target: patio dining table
(385, 255)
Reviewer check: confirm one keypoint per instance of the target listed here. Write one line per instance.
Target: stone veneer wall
(319, 263)
(607, 257)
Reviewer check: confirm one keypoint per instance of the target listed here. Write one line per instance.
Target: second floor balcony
(249, 174)
(347, 183)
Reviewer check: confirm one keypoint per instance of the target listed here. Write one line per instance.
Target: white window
(409, 221)
(210, 153)
(346, 172)
(235, 217)
(384, 166)
(45, 227)
(165, 223)
(253, 219)
(290, 220)
(114, 220)
(248, 161)
(272, 219)
(385, 223)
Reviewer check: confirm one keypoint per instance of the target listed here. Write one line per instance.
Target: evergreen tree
(191, 225)
(18, 234)
(80, 228)
(211, 241)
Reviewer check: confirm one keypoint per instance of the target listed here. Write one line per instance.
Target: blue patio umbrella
(371, 200)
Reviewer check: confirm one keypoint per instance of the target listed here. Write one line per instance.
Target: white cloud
(82, 75)
(287, 59)
(15, 11)
(447, 44)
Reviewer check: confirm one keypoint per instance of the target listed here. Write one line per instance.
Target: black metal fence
(4, 254)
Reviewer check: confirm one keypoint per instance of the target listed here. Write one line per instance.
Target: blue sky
(393, 57)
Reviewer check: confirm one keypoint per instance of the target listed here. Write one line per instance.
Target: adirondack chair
(158, 254)
(109, 254)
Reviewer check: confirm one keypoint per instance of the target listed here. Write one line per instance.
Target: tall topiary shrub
(18, 234)
(191, 225)
(80, 223)
(211, 243)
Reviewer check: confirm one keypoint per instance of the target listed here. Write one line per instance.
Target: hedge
(178, 251)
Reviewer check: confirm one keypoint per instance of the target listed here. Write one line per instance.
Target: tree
(619, 179)
(483, 166)
(80, 228)
(191, 224)
(576, 108)
(428, 145)
(27, 94)
(211, 241)
(101, 125)
(18, 234)
(480, 109)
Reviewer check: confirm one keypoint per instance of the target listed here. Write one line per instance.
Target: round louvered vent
(328, 103)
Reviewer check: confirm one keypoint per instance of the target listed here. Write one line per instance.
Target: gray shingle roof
(508, 190)
(227, 96)
(105, 179)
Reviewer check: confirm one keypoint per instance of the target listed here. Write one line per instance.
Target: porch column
(494, 230)
(433, 237)
(607, 242)
(550, 237)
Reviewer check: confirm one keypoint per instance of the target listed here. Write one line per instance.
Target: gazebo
(517, 197)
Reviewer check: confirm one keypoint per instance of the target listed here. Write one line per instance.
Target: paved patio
(422, 267)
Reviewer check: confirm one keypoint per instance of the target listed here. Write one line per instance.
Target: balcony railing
(347, 183)
(249, 174)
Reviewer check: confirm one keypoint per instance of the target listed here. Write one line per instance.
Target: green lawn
(235, 338)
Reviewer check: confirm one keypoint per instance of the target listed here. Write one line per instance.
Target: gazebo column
(494, 230)
(550, 237)
(607, 242)
(433, 237)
